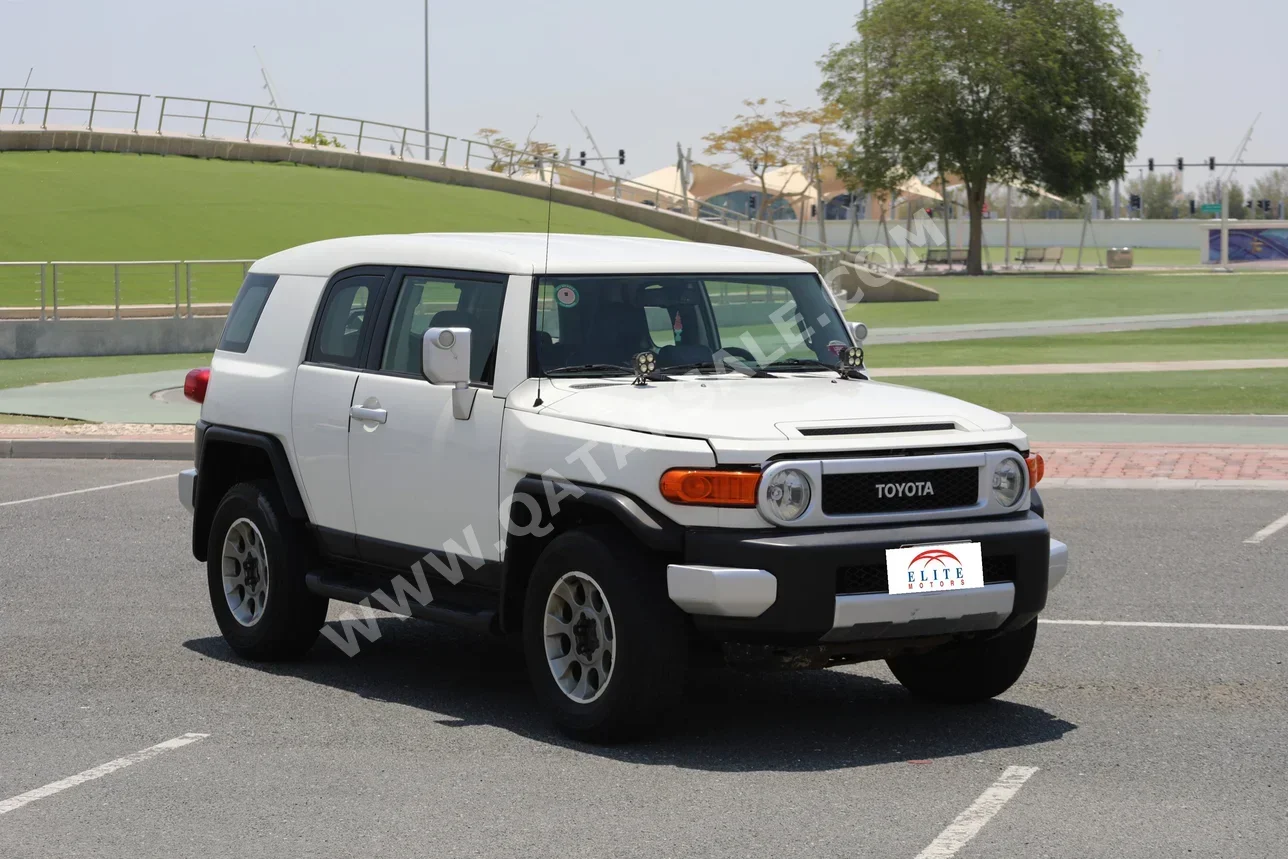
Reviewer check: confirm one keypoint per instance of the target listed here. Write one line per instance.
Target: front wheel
(968, 672)
(606, 648)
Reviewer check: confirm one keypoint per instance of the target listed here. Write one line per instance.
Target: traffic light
(1151, 165)
(1135, 202)
(1180, 165)
(621, 156)
(1265, 206)
(1194, 208)
(751, 203)
(583, 158)
(1212, 164)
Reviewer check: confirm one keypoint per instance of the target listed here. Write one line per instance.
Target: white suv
(617, 448)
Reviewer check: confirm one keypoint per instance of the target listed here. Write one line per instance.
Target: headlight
(788, 493)
(1008, 482)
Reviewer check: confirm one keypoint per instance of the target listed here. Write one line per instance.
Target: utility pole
(426, 80)
(1225, 228)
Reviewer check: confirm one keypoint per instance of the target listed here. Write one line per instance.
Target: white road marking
(972, 820)
(108, 768)
(1158, 624)
(1275, 526)
(91, 489)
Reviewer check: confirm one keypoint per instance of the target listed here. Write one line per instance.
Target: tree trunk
(975, 196)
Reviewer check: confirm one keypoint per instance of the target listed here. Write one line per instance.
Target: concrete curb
(96, 448)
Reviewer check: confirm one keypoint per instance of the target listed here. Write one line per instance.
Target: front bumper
(783, 588)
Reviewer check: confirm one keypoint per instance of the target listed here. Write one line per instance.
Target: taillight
(195, 384)
(1037, 468)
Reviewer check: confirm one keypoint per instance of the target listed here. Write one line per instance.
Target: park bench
(1032, 256)
(940, 256)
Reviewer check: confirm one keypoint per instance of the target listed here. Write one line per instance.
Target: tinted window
(346, 321)
(437, 302)
(245, 312)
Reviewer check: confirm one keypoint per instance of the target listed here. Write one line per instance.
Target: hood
(815, 412)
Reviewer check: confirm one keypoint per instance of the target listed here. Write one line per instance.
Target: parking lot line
(99, 771)
(90, 489)
(981, 811)
(1255, 627)
(1275, 526)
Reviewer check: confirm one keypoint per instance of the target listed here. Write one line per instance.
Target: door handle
(363, 413)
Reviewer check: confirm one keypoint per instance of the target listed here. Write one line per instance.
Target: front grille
(871, 430)
(871, 578)
(851, 494)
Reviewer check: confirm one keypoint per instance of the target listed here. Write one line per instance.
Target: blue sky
(642, 76)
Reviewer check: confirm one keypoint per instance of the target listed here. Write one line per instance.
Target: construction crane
(1238, 153)
(599, 156)
(272, 96)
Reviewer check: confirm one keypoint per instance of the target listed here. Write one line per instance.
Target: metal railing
(212, 118)
(137, 287)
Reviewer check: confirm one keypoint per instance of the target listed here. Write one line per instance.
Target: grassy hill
(102, 206)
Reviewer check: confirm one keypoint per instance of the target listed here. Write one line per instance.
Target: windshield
(594, 325)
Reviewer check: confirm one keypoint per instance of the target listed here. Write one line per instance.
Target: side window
(346, 321)
(246, 311)
(438, 302)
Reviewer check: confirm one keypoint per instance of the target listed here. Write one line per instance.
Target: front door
(423, 480)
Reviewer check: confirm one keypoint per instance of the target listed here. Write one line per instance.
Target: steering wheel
(354, 322)
(739, 352)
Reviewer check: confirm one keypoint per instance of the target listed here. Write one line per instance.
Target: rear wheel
(255, 566)
(606, 648)
(967, 672)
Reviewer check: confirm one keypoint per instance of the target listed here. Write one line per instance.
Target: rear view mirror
(445, 356)
(445, 360)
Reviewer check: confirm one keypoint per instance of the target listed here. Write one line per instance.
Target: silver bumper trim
(721, 591)
(187, 480)
(1059, 564)
(869, 616)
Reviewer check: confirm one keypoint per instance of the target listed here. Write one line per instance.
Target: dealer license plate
(934, 569)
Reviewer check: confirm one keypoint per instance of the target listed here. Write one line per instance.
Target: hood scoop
(873, 430)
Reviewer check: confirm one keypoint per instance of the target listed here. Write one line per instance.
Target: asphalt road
(1148, 741)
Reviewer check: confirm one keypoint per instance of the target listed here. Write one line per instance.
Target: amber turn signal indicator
(709, 486)
(1037, 468)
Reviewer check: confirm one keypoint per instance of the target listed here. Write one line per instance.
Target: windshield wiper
(614, 369)
(809, 364)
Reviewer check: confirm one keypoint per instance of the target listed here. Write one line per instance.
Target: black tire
(649, 632)
(968, 672)
(290, 616)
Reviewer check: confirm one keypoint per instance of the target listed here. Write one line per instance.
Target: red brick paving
(1171, 461)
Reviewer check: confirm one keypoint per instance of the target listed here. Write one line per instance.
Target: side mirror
(445, 360)
(859, 331)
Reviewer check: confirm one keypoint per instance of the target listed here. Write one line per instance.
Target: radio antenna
(550, 206)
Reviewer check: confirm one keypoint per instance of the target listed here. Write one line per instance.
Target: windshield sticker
(567, 296)
(677, 328)
(836, 347)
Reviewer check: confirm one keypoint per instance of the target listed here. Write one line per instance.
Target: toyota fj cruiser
(623, 450)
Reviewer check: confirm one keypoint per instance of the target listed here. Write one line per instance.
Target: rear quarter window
(246, 311)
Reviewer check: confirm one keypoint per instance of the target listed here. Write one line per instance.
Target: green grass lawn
(1217, 342)
(18, 373)
(1020, 298)
(1235, 392)
(102, 206)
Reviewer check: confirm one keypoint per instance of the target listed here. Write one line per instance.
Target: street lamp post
(427, 80)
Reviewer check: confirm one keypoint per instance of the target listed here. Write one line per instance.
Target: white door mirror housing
(445, 360)
(445, 356)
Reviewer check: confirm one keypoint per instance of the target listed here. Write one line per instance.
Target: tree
(819, 147)
(759, 139)
(316, 139)
(510, 158)
(1036, 92)
(1160, 194)
(1272, 186)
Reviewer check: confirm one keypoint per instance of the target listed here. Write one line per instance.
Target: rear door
(423, 480)
(343, 331)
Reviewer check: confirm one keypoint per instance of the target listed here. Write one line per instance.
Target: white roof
(526, 253)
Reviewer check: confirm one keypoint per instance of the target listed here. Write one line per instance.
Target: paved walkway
(1166, 461)
(1057, 369)
(115, 399)
(984, 330)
